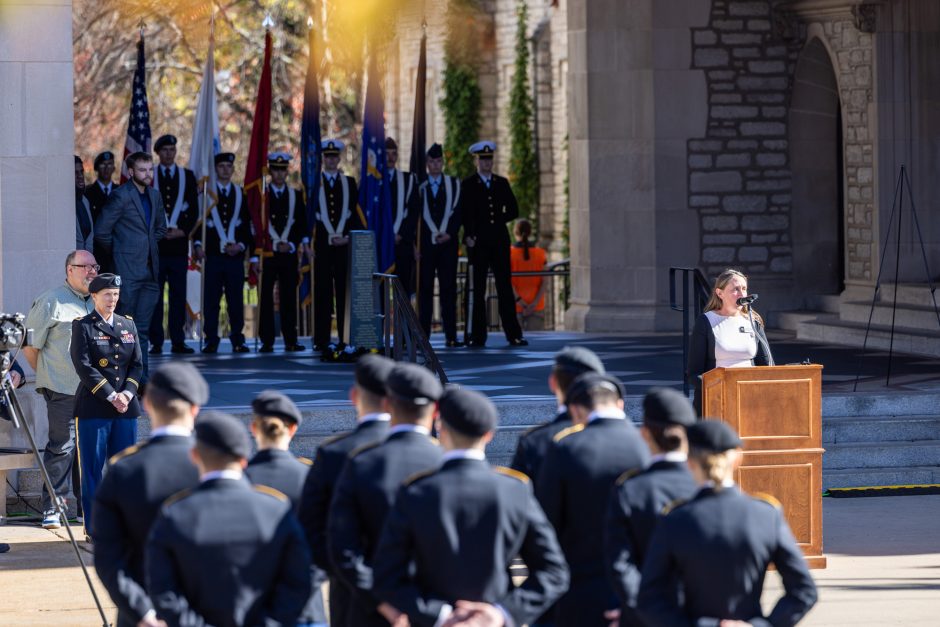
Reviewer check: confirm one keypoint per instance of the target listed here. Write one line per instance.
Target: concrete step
(914, 317)
(917, 294)
(879, 405)
(856, 455)
(830, 329)
(854, 429)
(790, 320)
(864, 477)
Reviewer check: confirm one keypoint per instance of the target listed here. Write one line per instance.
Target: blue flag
(375, 197)
(310, 159)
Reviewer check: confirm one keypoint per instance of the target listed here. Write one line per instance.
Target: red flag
(258, 151)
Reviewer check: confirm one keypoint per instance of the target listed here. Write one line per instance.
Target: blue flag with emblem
(310, 159)
(375, 197)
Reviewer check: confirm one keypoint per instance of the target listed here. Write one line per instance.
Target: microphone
(747, 300)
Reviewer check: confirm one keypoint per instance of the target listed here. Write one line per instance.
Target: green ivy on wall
(523, 168)
(462, 98)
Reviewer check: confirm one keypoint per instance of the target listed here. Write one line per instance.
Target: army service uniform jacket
(107, 359)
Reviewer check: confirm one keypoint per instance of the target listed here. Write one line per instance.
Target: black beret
(225, 157)
(164, 140)
(577, 360)
(78, 161)
(107, 155)
(372, 372)
(390, 144)
(223, 432)
(665, 406)
(713, 435)
(435, 151)
(414, 384)
(182, 380)
(468, 412)
(104, 281)
(274, 403)
(580, 391)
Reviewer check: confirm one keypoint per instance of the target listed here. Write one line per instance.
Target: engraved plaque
(362, 324)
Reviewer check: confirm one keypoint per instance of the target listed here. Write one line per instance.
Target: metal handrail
(695, 295)
(404, 339)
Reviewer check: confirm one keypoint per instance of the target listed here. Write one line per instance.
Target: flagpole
(202, 272)
(263, 236)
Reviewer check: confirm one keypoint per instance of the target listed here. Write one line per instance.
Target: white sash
(324, 214)
(448, 207)
(227, 236)
(401, 211)
(277, 238)
(180, 206)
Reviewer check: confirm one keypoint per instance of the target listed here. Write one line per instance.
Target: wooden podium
(777, 411)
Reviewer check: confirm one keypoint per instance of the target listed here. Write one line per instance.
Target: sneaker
(51, 520)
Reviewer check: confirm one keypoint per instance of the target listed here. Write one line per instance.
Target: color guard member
(97, 194)
(406, 208)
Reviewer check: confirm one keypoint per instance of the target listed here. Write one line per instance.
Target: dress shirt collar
(235, 475)
(168, 170)
(613, 413)
(464, 453)
(278, 190)
(409, 428)
(378, 416)
(105, 188)
(672, 456)
(171, 430)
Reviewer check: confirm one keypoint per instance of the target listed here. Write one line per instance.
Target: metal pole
(204, 261)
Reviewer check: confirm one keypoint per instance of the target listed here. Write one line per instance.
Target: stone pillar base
(610, 318)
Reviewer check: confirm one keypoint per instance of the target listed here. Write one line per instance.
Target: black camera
(12, 333)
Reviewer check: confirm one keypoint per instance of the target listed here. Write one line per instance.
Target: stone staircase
(844, 321)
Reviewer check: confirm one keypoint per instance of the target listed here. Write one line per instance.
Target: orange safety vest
(528, 286)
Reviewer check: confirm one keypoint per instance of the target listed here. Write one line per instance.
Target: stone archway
(817, 218)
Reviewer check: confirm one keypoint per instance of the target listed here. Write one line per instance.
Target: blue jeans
(97, 439)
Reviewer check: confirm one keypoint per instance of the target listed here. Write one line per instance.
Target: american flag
(138, 124)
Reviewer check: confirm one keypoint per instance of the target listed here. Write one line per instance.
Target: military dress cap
(107, 155)
(468, 412)
(483, 149)
(331, 146)
(372, 373)
(278, 160)
(391, 144)
(581, 388)
(274, 403)
(665, 406)
(436, 151)
(78, 161)
(713, 435)
(163, 141)
(181, 380)
(414, 384)
(223, 432)
(577, 360)
(225, 157)
(104, 282)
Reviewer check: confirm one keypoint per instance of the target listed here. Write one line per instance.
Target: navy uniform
(487, 205)
(640, 498)
(533, 444)
(453, 532)
(440, 213)
(718, 547)
(97, 195)
(574, 487)
(179, 191)
(406, 207)
(108, 361)
(137, 482)
(287, 225)
(226, 553)
(228, 222)
(338, 213)
(367, 487)
(371, 372)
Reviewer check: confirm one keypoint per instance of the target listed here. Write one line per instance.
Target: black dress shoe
(266, 348)
(474, 344)
(182, 349)
(518, 341)
(453, 344)
(319, 348)
(240, 348)
(211, 347)
(294, 348)
(156, 350)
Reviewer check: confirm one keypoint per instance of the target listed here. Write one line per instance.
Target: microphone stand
(746, 302)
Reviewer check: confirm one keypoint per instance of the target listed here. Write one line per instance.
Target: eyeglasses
(87, 266)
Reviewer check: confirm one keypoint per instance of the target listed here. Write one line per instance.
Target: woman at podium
(730, 334)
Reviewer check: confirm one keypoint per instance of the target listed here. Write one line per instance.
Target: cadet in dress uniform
(370, 480)
(226, 553)
(574, 487)
(137, 482)
(338, 214)
(440, 222)
(640, 497)
(84, 223)
(97, 195)
(453, 532)
(275, 422)
(406, 209)
(106, 355)
(718, 547)
(287, 234)
(228, 237)
(533, 445)
(367, 395)
(179, 190)
(487, 206)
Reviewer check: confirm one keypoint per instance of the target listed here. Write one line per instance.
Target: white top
(735, 341)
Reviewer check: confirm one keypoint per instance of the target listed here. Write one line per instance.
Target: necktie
(166, 172)
(487, 181)
(434, 185)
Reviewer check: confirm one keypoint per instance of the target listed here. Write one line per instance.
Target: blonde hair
(271, 428)
(721, 282)
(716, 467)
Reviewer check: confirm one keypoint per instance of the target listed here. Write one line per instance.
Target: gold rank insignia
(102, 362)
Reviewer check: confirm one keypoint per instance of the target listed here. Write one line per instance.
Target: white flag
(206, 141)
